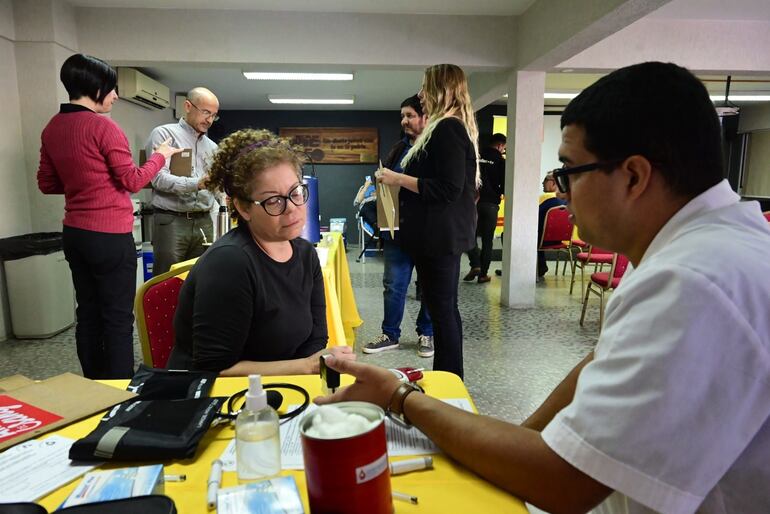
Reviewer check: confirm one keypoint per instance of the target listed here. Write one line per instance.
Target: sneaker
(381, 344)
(472, 274)
(483, 279)
(424, 346)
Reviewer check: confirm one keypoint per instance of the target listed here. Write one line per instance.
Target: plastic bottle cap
(222, 208)
(256, 397)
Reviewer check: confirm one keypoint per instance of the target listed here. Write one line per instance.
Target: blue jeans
(395, 280)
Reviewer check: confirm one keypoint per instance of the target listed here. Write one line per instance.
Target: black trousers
(439, 277)
(104, 275)
(485, 229)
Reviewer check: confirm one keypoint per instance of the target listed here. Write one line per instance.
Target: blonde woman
(254, 302)
(437, 203)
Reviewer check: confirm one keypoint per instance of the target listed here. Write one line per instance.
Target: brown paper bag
(29, 408)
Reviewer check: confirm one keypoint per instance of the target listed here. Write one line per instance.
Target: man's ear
(639, 172)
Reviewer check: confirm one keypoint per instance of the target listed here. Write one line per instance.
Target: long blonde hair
(445, 95)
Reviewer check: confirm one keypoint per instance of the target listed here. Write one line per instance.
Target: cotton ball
(331, 414)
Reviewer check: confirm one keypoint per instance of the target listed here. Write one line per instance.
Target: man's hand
(340, 353)
(203, 183)
(373, 384)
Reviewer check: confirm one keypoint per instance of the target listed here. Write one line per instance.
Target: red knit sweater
(86, 157)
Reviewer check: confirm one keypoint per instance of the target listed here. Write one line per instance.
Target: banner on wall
(336, 145)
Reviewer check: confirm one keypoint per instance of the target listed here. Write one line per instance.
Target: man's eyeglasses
(206, 113)
(276, 205)
(561, 175)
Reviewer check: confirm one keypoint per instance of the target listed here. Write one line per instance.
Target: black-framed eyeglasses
(561, 175)
(276, 205)
(206, 113)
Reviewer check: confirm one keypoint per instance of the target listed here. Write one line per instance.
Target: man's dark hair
(660, 111)
(413, 102)
(83, 75)
(497, 139)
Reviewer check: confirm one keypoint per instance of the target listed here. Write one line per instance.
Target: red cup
(348, 475)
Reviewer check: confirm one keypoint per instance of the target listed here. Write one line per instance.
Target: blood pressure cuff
(149, 430)
(169, 384)
(153, 504)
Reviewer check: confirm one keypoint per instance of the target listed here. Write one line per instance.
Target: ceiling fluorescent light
(268, 75)
(741, 98)
(311, 101)
(559, 96)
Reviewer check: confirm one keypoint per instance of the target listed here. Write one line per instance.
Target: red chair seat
(579, 242)
(601, 278)
(557, 246)
(598, 258)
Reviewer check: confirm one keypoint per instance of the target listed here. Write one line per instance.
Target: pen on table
(404, 497)
(174, 478)
(215, 478)
(405, 466)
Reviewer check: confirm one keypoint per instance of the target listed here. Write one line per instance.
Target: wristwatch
(395, 409)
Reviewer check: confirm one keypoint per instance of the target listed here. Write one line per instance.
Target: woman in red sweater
(86, 157)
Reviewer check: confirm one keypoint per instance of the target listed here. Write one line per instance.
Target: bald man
(182, 205)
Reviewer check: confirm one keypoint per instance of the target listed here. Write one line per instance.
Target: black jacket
(441, 218)
(492, 167)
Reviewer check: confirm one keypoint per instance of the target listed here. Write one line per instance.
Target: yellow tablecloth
(341, 311)
(449, 487)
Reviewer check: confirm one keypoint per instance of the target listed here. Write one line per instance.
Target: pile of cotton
(330, 422)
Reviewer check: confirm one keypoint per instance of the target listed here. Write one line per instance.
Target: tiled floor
(513, 358)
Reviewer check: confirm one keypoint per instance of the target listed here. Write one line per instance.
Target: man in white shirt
(671, 411)
(182, 205)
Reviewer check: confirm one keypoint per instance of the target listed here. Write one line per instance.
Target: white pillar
(522, 187)
(44, 35)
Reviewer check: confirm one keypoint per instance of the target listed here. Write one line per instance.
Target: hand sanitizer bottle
(257, 436)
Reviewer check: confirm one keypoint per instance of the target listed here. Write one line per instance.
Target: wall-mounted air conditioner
(138, 88)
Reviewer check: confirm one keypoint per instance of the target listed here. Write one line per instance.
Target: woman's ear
(242, 208)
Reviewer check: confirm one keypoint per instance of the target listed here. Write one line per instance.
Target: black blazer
(441, 218)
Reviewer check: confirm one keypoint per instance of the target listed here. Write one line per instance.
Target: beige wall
(137, 122)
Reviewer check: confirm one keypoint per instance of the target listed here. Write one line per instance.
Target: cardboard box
(29, 408)
(181, 163)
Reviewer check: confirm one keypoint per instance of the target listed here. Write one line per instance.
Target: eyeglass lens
(276, 205)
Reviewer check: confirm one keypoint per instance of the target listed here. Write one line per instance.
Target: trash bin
(40, 292)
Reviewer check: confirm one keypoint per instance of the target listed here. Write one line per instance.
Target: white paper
(323, 255)
(34, 468)
(400, 441)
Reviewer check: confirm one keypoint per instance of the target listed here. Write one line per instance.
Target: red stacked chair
(596, 256)
(557, 232)
(604, 281)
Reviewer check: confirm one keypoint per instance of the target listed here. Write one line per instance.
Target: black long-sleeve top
(239, 304)
(492, 165)
(441, 218)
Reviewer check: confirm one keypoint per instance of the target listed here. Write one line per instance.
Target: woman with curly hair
(438, 204)
(254, 302)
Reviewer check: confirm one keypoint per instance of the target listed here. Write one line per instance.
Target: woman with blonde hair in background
(437, 203)
(254, 302)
